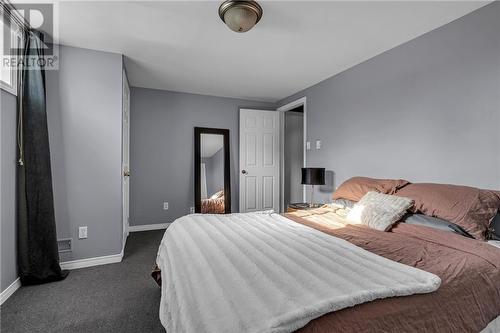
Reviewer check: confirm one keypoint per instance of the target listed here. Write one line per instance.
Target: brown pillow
(355, 188)
(469, 207)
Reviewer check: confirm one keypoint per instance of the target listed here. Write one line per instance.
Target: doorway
(293, 152)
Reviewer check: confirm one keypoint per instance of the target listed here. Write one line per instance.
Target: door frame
(125, 198)
(282, 109)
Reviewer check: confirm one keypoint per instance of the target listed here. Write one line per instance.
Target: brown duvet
(213, 206)
(469, 296)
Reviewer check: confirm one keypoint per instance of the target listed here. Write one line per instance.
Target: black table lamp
(313, 176)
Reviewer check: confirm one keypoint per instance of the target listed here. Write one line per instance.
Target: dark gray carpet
(110, 298)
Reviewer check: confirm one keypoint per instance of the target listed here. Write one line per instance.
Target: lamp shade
(313, 176)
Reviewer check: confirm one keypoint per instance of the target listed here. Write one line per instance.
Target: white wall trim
(282, 109)
(10, 290)
(89, 262)
(293, 105)
(147, 227)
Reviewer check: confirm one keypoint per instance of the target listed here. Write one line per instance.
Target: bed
(214, 204)
(467, 299)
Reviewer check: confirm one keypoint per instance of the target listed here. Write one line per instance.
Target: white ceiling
(210, 144)
(184, 46)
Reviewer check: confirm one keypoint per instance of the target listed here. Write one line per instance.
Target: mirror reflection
(212, 173)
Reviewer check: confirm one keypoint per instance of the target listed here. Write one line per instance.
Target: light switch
(318, 144)
(308, 145)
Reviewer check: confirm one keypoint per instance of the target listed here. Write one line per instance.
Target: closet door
(259, 160)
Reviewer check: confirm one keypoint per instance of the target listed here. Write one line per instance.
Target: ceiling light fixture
(240, 16)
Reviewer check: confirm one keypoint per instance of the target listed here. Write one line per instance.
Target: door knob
(244, 172)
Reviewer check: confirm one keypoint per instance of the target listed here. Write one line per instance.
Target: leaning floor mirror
(211, 171)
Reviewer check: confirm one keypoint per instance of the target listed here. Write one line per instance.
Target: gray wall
(427, 111)
(214, 169)
(294, 157)
(84, 117)
(162, 149)
(8, 266)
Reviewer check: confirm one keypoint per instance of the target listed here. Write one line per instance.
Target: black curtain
(38, 257)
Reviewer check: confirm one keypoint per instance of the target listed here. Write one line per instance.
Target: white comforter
(264, 273)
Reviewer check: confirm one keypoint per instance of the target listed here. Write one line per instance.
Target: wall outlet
(165, 206)
(82, 232)
(318, 144)
(308, 145)
(191, 210)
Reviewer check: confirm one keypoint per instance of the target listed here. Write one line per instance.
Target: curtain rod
(9, 9)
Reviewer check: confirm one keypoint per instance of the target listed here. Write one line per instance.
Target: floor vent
(64, 245)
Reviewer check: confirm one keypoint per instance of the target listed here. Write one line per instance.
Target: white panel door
(125, 157)
(259, 160)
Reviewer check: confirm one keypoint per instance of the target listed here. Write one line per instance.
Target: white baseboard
(10, 290)
(147, 227)
(89, 262)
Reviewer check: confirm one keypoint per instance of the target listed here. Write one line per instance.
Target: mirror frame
(198, 131)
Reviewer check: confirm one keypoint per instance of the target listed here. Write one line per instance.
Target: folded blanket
(264, 273)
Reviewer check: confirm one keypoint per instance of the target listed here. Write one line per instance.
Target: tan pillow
(355, 188)
(379, 211)
(469, 207)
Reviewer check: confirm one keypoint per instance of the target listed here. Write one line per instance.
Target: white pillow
(217, 195)
(379, 211)
(494, 243)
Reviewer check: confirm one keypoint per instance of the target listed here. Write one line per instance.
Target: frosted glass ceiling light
(240, 16)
